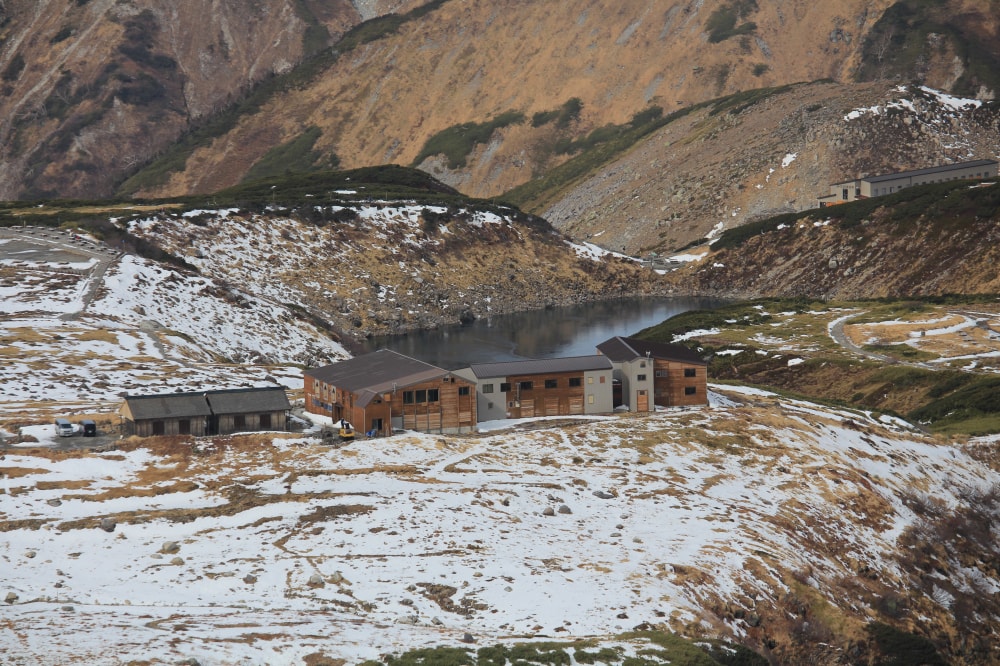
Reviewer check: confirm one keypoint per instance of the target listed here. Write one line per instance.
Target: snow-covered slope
(78, 334)
(723, 521)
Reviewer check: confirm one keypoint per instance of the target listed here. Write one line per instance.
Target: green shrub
(456, 143)
(900, 648)
(722, 24)
(437, 656)
(974, 399)
(761, 69)
(294, 156)
(14, 68)
(64, 33)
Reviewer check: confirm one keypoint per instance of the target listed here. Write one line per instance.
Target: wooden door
(527, 408)
(576, 405)
(552, 406)
(642, 401)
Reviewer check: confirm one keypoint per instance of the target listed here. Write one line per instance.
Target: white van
(63, 428)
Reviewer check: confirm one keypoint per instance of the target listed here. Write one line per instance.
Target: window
(551, 383)
(690, 372)
(640, 378)
(575, 382)
(489, 405)
(487, 388)
(525, 386)
(505, 387)
(432, 395)
(590, 399)
(662, 373)
(603, 378)
(239, 422)
(463, 390)
(690, 390)
(590, 380)
(407, 397)
(421, 395)
(642, 364)
(265, 421)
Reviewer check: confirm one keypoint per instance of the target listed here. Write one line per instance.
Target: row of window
(505, 387)
(688, 372)
(421, 396)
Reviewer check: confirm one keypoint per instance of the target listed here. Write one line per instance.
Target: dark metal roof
(377, 372)
(205, 403)
(167, 406)
(620, 349)
(923, 172)
(248, 401)
(545, 366)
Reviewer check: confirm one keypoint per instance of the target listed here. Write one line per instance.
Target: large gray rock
(108, 524)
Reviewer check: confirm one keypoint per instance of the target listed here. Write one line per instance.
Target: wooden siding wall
(669, 390)
(451, 413)
(563, 400)
(146, 427)
(226, 423)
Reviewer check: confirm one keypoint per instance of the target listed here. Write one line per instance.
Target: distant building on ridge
(877, 186)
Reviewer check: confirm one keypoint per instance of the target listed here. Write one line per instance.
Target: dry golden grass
(17, 472)
(102, 335)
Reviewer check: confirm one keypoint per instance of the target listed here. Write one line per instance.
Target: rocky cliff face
(92, 89)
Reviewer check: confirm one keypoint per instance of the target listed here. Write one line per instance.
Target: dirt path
(60, 246)
(836, 330)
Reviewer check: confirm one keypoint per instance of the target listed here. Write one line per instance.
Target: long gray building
(877, 186)
(546, 387)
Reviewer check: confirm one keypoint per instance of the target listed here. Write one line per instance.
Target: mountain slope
(774, 152)
(779, 524)
(92, 89)
(392, 266)
(467, 62)
(932, 240)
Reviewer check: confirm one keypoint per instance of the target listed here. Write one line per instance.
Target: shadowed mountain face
(160, 99)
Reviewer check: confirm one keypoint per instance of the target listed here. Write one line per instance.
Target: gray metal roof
(545, 366)
(620, 349)
(248, 401)
(923, 172)
(378, 372)
(205, 403)
(167, 406)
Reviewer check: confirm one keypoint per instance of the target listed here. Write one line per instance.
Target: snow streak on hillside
(413, 540)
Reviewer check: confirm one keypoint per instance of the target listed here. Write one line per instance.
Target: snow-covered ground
(271, 550)
(79, 340)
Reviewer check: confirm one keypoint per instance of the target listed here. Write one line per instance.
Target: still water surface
(568, 331)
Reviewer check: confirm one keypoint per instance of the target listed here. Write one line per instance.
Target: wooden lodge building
(547, 387)
(205, 412)
(385, 391)
(655, 374)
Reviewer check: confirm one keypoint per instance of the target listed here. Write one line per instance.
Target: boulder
(170, 547)
(108, 524)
